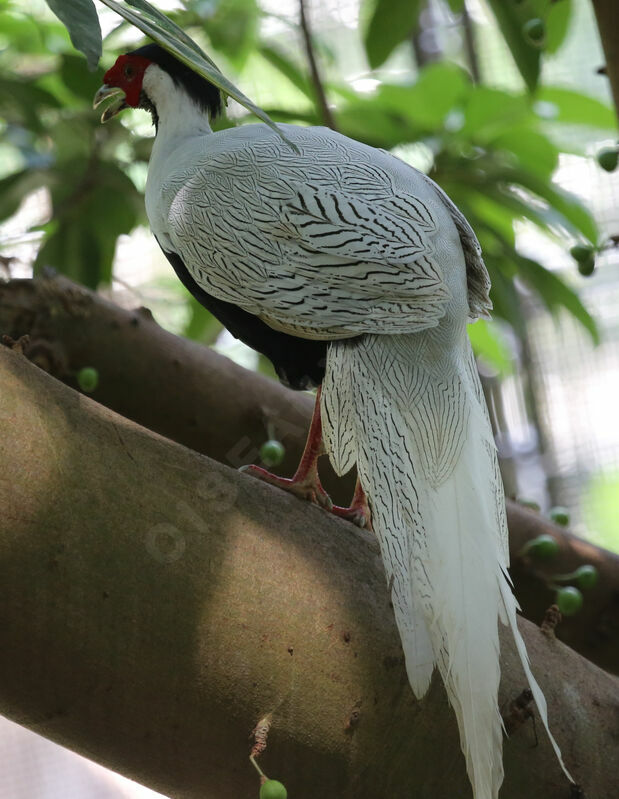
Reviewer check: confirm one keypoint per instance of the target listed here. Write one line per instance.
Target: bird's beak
(114, 108)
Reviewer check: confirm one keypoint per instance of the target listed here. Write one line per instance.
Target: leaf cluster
(493, 151)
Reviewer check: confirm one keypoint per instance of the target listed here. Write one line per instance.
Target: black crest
(207, 96)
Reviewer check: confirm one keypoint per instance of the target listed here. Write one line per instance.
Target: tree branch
(469, 44)
(607, 13)
(321, 97)
(155, 605)
(190, 394)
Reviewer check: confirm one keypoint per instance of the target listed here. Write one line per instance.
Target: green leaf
(437, 91)
(93, 204)
(490, 345)
(489, 112)
(176, 41)
(71, 250)
(277, 59)
(373, 125)
(21, 31)
(15, 188)
(555, 293)
(233, 28)
(202, 325)
(21, 101)
(81, 20)
(534, 151)
(391, 22)
(504, 295)
(73, 139)
(563, 202)
(558, 18)
(574, 108)
(511, 18)
(456, 5)
(82, 83)
(547, 219)
(480, 208)
(168, 25)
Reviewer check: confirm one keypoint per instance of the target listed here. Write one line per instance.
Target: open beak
(114, 108)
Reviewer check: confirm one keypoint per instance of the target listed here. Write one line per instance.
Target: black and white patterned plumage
(354, 233)
(344, 261)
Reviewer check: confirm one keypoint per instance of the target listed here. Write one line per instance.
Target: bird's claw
(307, 488)
(361, 517)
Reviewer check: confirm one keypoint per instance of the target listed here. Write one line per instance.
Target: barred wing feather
(315, 260)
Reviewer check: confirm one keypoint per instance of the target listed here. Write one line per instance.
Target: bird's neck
(177, 115)
(182, 128)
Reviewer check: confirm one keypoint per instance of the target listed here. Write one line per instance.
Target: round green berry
(544, 546)
(534, 31)
(272, 789)
(272, 452)
(560, 515)
(88, 379)
(581, 253)
(587, 267)
(608, 158)
(569, 600)
(586, 576)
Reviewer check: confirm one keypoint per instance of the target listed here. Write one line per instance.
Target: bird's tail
(410, 412)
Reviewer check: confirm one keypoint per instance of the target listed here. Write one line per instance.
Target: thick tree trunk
(190, 394)
(607, 13)
(155, 605)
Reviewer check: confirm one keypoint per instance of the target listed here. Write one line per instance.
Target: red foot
(306, 484)
(359, 511)
(362, 518)
(307, 487)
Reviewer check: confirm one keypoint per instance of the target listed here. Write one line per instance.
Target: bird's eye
(129, 71)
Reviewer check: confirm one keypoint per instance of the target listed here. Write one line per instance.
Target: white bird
(353, 271)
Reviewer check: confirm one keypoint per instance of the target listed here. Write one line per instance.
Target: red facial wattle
(127, 74)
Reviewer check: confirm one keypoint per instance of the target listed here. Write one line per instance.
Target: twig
(519, 711)
(552, 617)
(321, 98)
(260, 734)
(469, 44)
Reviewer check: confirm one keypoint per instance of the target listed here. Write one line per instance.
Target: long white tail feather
(510, 607)
(410, 412)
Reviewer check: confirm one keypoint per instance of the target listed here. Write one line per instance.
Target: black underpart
(146, 105)
(299, 362)
(207, 96)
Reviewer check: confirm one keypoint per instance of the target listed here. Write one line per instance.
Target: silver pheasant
(345, 250)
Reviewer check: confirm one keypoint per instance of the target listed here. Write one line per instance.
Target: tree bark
(607, 13)
(200, 399)
(154, 605)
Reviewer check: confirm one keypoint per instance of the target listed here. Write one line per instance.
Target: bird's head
(143, 76)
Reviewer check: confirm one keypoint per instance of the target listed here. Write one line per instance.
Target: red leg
(359, 511)
(305, 483)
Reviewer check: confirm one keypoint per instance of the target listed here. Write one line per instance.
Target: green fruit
(581, 253)
(569, 600)
(586, 576)
(608, 158)
(534, 32)
(544, 546)
(272, 789)
(88, 379)
(272, 452)
(560, 516)
(586, 267)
